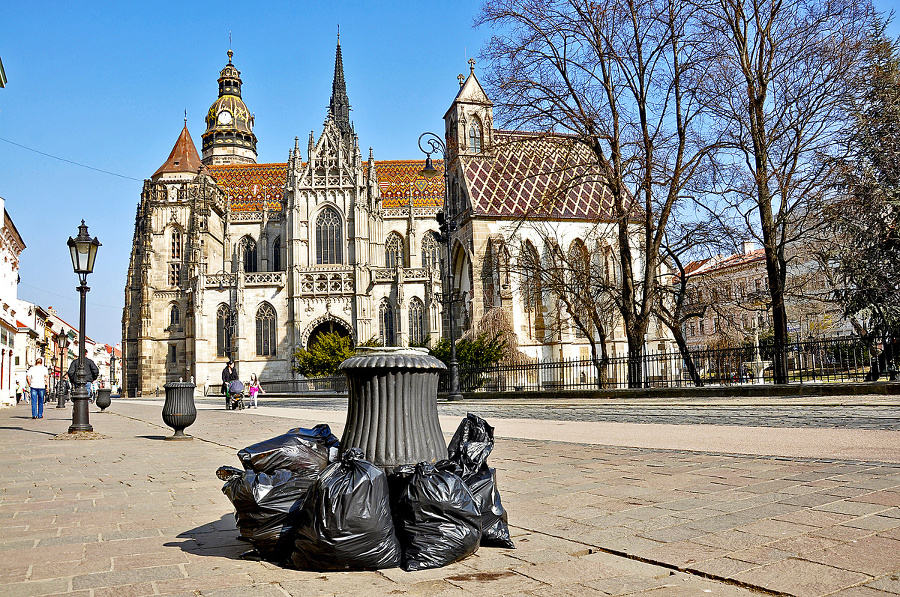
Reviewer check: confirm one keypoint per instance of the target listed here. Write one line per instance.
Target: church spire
(339, 109)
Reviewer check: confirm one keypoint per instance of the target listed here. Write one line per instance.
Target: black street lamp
(63, 343)
(84, 251)
(447, 223)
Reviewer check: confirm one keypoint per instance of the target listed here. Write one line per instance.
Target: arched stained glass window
(393, 251)
(431, 251)
(416, 322)
(329, 241)
(386, 324)
(175, 251)
(475, 137)
(248, 248)
(276, 255)
(265, 330)
(224, 330)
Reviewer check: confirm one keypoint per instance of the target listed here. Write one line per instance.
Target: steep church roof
(537, 175)
(397, 179)
(251, 187)
(183, 158)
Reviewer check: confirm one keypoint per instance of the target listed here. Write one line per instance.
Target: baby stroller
(234, 396)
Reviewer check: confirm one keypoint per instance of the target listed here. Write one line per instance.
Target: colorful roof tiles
(397, 179)
(536, 175)
(251, 187)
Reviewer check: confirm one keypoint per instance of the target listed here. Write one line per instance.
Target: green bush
(323, 357)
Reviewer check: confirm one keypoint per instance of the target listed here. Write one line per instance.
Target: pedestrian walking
(90, 369)
(18, 392)
(37, 377)
(255, 389)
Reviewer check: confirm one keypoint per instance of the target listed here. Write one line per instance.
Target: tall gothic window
(175, 274)
(531, 290)
(248, 248)
(329, 241)
(393, 251)
(265, 330)
(416, 322)
(431, 251)
(475, 137)
(175, 252)
(386, 325)
(174, 316)
(276, 255)
(224, 330)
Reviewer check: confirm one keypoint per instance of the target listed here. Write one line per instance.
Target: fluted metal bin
(103, 398)
(392, 406)
(179, 410)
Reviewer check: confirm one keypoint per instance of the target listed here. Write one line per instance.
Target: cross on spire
(471, 65)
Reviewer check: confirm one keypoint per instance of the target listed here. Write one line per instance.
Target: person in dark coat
(90, 368)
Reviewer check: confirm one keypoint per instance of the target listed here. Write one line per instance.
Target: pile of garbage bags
(301, 505)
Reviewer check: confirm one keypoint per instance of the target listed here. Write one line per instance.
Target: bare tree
(779, 86)
(620, 77)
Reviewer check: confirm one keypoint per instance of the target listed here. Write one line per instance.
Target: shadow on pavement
(51, 433)
(218, 538)
(154, 437)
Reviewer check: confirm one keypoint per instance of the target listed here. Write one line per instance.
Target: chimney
(749, 247)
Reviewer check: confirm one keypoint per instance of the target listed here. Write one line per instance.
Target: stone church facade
(236, 259)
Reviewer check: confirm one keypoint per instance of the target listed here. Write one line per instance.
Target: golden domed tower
(229, 137)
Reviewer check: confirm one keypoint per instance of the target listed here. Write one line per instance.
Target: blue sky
(106, 84)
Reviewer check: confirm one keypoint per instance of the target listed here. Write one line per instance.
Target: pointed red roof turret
(184, 156)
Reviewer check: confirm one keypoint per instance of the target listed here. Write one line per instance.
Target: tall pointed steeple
(339, 108)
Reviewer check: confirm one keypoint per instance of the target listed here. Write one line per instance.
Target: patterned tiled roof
(251, 186)
(536, 175)
(398, 178)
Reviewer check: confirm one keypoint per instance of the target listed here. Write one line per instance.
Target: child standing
(255, 389)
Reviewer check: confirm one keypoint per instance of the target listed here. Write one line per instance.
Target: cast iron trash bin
(103, 398)
(179, 410)
(392, 406)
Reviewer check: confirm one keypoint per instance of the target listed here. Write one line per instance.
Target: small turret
(229, 137)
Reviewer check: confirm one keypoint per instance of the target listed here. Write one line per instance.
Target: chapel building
(233, 259)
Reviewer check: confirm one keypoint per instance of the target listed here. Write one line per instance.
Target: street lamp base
(79, 428)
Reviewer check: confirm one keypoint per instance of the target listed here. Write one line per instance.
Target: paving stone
(801, 578)
(889, 583)
(874, 556)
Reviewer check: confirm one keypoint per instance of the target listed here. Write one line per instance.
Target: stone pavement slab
(135, 515)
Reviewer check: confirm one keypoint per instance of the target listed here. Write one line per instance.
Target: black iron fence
(330, 383)
(832, 360)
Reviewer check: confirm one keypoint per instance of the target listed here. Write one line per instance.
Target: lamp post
(447, 222)
(84, 251)
(63, 343)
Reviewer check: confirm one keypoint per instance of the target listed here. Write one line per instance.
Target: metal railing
(330, 383)
(820, 361)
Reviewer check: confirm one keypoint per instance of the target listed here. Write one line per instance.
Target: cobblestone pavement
(836, 416)
(134, 515)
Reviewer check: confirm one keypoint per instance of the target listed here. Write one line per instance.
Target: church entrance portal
(326, 327)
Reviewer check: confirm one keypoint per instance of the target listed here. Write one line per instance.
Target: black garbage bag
(346, 521)
(266, 507)
(469, 449)
(304, 451)
(437, 520)
(471, 444)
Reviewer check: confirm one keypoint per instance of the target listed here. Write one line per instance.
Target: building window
(173, 356)
(531, 291)
(393, 251)
(248, 250)
(431, 252)
(276, 255)
(224, 330)
(702, 327)
(174, 316)
(475, 137)
(265, 330)
(386, 324)
(329, 240)
(174, 274)
(176, 244)
(416, 322)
